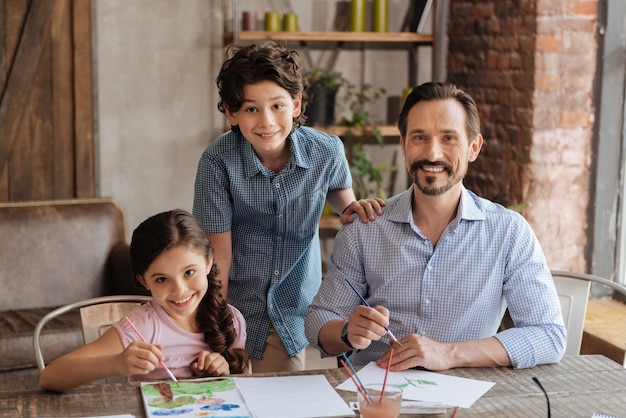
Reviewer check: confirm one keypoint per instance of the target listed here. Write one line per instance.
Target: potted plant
(367, 178)
(323, 88)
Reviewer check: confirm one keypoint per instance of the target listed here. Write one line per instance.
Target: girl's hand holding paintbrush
(140, 357)
(159, 347)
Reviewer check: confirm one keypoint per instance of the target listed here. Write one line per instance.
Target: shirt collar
(301, 158)
(468, 209)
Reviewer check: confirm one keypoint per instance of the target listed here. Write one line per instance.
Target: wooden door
(46, 111)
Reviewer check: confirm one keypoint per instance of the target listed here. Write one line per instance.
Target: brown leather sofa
(53, 253)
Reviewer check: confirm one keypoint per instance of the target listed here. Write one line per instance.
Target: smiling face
(177, 280)
(266, 118)
(436, 149)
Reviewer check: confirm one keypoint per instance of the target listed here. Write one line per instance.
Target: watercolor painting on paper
(215, 397)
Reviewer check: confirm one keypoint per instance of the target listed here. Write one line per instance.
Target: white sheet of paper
(425, 386)
(292, 397)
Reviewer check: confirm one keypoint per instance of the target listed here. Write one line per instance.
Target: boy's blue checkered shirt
(273, 217)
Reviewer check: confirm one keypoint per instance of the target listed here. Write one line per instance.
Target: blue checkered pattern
(273, 218)
(487, 258)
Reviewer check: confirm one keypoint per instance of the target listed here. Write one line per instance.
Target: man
(441, 265)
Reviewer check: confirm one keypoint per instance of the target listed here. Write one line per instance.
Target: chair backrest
(97, 315)
(573, 295)
(573, 290)
(96, 319)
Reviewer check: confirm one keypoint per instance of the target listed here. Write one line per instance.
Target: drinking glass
(374, 407)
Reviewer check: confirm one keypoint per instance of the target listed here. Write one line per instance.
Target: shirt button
(277, 185)
(276, 273)
(427, 302)
(429, 267)
(279, 238)
(271, 306)
(280, 216)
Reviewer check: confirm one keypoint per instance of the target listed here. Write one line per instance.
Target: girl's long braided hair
(214, 318)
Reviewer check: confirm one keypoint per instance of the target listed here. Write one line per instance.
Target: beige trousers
(275, 357)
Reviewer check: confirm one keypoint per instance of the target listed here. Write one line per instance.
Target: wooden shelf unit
(412, 41)
(330, 222)
(394, 37)
(385, 130)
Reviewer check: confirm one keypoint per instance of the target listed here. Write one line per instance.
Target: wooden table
(577, 387)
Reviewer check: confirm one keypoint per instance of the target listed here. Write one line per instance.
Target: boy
(259, 193)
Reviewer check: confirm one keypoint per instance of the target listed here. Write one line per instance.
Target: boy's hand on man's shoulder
(367, 209)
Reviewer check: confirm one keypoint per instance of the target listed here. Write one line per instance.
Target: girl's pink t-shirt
(180, 347)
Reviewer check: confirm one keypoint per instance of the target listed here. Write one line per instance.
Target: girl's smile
(184, 301)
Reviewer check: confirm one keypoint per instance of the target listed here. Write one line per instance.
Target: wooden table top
(578, 386)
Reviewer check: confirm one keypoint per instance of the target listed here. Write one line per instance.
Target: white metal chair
(97, 315)
(573, 290)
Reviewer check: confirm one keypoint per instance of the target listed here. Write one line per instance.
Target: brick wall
(530, 65)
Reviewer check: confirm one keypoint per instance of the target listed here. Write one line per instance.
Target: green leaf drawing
(194, 387)
(175, 403)
(418, 383)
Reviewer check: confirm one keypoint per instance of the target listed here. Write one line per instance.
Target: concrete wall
(155, 100)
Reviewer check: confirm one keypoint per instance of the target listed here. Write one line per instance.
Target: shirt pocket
(306, 209)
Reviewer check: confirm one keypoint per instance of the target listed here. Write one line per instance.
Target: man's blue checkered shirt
(487, 258)
(273, 217)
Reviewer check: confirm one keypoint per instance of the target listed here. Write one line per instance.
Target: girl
(188, 324)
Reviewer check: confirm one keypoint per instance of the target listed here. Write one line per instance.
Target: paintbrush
(169, 372)
(393, 337)
(382, 392)
(354, 378)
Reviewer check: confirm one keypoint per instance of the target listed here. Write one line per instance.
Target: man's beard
(428, 188)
